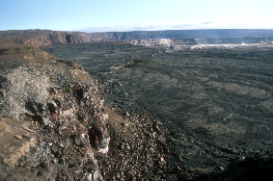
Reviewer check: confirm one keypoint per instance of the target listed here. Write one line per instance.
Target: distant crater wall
(40, 38)
(170, 43)
(66, 38)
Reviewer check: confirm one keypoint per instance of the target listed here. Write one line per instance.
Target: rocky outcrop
(52, 118)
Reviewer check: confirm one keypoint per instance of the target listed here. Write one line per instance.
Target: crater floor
(215, 103)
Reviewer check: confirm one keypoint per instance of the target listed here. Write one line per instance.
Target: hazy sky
(168, 14)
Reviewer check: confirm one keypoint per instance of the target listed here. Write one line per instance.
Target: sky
(123, 15)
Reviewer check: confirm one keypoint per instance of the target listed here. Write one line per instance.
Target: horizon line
(124, 31)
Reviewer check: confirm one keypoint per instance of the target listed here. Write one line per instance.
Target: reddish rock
(19, 137)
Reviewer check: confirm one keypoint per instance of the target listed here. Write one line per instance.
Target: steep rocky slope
(51, 115)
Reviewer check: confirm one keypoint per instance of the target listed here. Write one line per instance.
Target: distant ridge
(39, 38)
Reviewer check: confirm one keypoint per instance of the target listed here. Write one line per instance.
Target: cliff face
(55, 38)
(67, 38)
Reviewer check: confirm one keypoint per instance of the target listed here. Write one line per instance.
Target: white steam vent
(165, 42)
